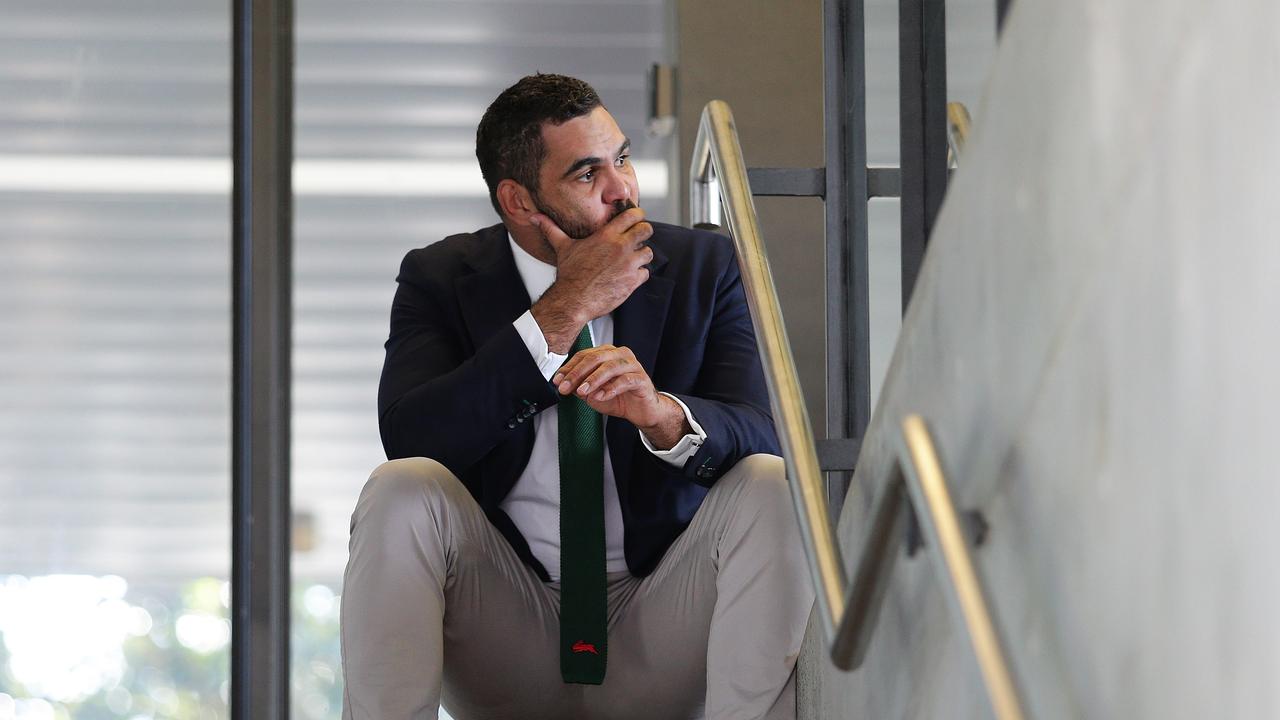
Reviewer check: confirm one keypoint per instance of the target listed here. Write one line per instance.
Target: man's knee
(762, 496)
(405, 483)
(764, 480)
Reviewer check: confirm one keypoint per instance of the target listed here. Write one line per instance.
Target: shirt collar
(536, 275)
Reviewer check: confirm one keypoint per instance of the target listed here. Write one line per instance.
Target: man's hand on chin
(594, 275)
(613, 382)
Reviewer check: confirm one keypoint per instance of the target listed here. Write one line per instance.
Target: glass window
(114, 359)
(388, 98)
(970, 38)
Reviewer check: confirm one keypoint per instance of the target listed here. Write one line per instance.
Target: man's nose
(616, 188)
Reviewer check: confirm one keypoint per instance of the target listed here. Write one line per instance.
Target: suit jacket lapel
(490, 299)
(637, 324)
(493, 296)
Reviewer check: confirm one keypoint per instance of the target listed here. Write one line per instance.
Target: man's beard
(572, 226)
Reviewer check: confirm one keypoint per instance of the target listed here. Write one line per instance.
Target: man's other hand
(613, 383)
(594, 275)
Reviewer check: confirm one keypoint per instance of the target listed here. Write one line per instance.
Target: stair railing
(848, 617)
(958, 123)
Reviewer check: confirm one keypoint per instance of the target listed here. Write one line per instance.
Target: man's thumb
(553, 234)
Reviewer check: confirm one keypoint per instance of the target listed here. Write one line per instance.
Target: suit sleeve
(436, 399)
(730, 398)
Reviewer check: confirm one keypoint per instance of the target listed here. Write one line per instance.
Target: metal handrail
(718, 171)
(718, 157)
(927, 487)
(958, 123)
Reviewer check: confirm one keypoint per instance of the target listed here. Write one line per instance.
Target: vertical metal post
(848, 293)
(922, 88)
(262, 149)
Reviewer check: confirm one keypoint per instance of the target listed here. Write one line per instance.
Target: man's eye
(587, 176)
(622, 160)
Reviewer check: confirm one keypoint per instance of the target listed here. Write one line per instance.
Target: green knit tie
(583, 612)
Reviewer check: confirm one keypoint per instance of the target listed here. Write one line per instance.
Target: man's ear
(516, 202)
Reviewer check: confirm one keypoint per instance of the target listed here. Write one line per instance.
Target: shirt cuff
(686, 447)
(548, 362)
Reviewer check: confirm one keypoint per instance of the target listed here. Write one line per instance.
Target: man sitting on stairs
(583, 515)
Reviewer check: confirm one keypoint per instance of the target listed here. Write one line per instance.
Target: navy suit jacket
(460, 387)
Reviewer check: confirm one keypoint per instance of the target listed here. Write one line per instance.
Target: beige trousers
(437, 607)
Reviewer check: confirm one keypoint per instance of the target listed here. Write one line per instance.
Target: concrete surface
(1093, 343)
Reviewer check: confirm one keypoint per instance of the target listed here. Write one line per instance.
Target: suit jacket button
(511, 424)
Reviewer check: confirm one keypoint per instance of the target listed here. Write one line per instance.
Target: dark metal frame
(846, 184)
(261, 206)
(848, 283)
(922, 137)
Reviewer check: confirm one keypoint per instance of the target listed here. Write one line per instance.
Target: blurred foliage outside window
(96, 648)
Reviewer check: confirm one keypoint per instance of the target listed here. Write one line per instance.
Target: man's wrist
(558, 321)
(670, 427)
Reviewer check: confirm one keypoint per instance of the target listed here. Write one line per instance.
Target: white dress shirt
(534, 503)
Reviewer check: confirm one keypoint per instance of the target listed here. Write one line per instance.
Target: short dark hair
(509, 138)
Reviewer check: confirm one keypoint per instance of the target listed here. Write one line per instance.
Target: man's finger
(640, 232)
(591, 360)
(568, 365)
(567, 368)
(551, 232)
(627, 382)
(624, 221)
(583, 363)
(604, 372)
